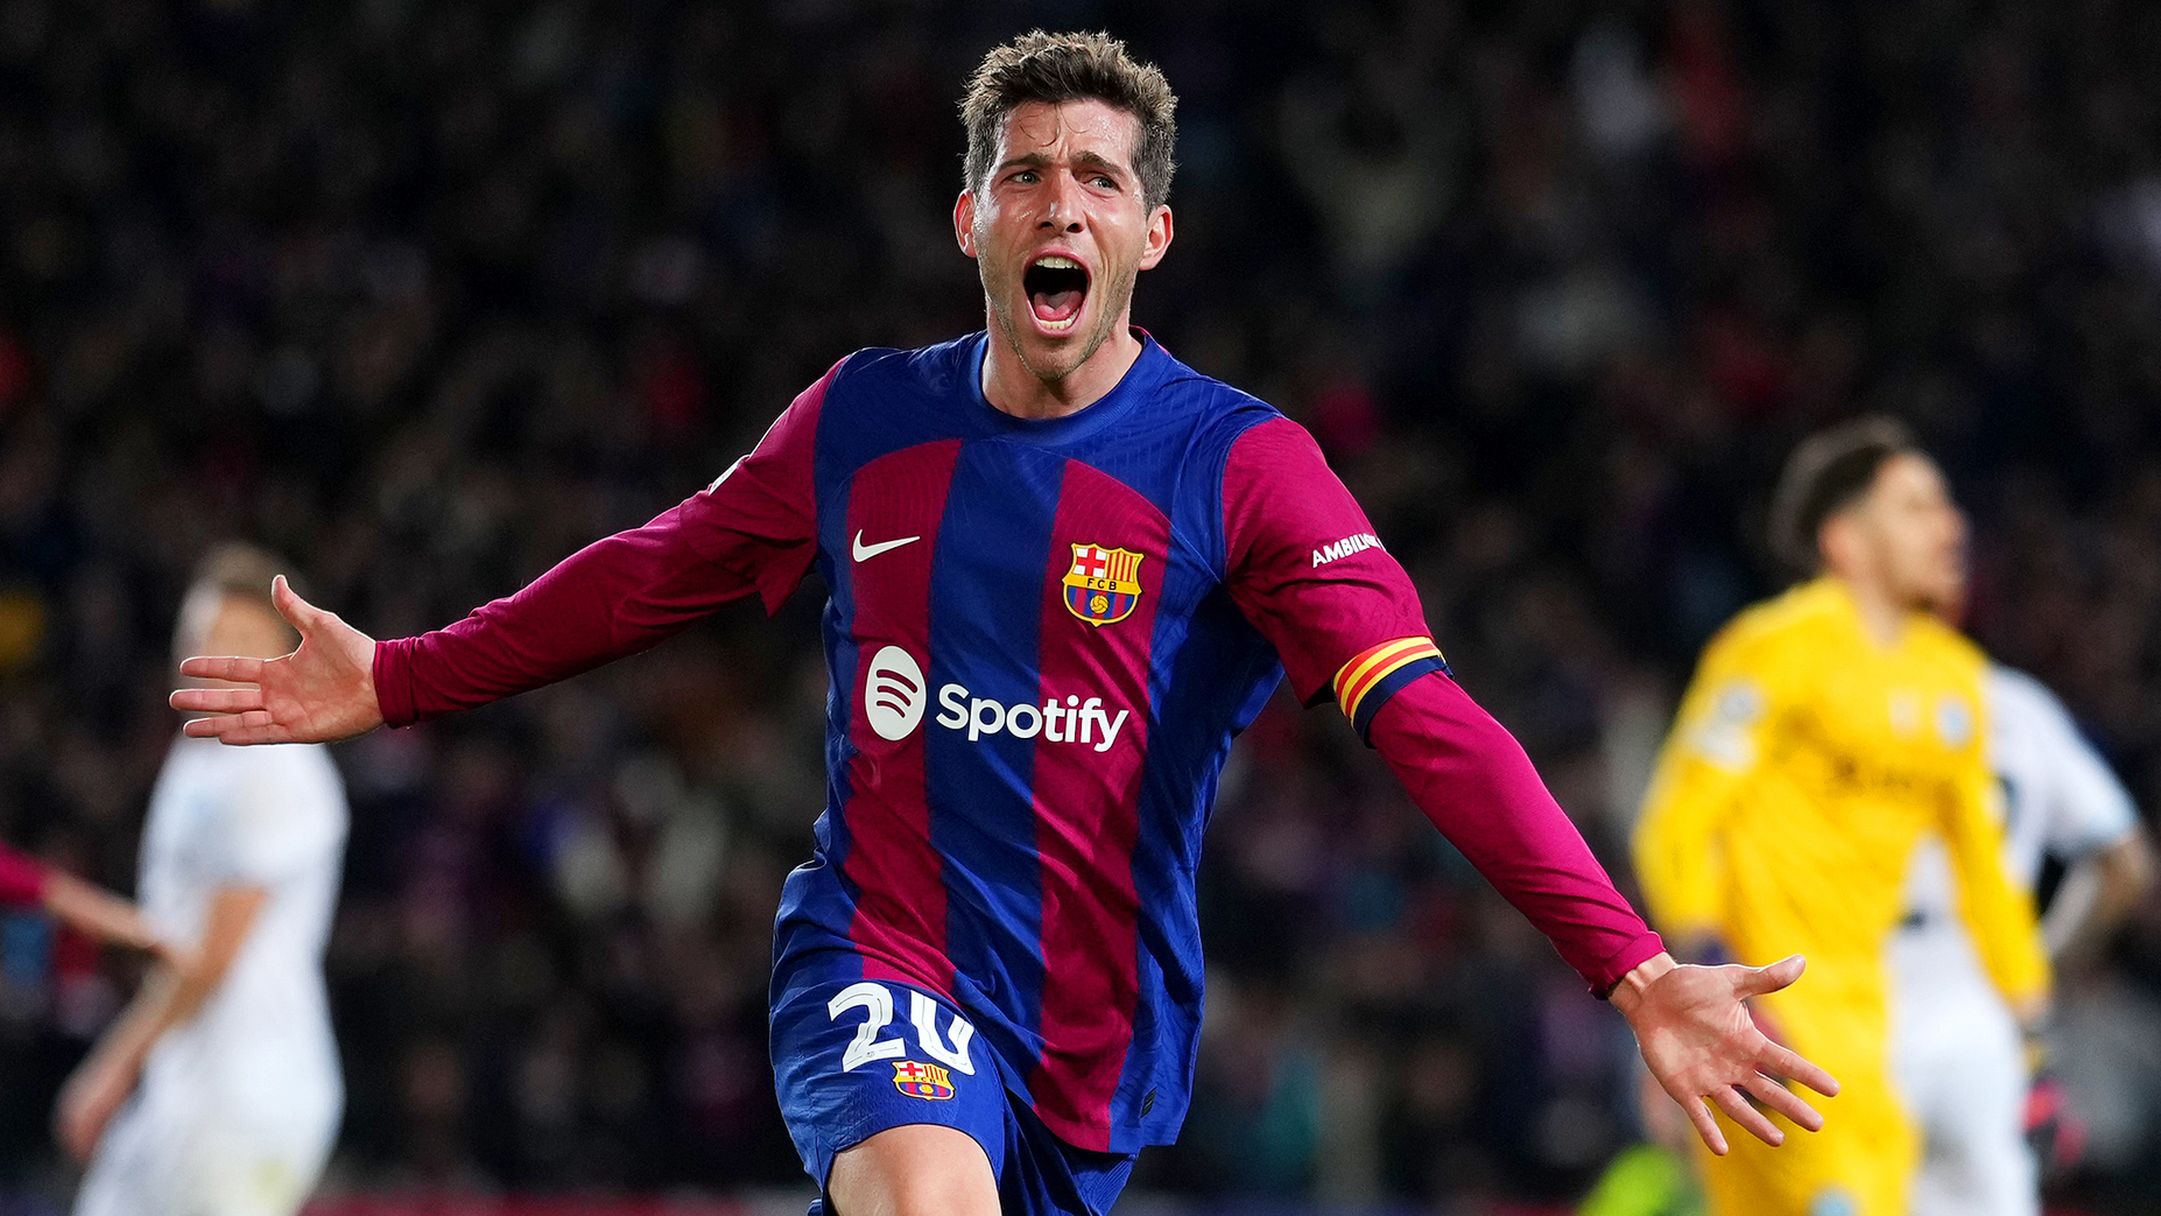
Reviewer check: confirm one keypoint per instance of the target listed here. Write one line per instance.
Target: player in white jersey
(1956, 1047)
(220, 1084)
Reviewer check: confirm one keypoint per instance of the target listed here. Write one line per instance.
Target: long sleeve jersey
(1042, 637)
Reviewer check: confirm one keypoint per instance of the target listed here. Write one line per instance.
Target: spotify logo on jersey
(893, 697)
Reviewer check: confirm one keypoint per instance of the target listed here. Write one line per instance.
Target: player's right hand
(321, 692)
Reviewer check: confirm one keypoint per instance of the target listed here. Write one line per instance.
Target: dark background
(428, 295)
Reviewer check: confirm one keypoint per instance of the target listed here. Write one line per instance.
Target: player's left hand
(1693, 1026)
(88, 1103)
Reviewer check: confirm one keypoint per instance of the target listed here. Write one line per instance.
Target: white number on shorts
(923, 1011)
(877, 1001)
(867, 1045)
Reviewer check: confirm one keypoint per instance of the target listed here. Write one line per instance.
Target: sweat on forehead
(1085, 133)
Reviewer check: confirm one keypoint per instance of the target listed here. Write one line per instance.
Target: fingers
(1748, 1117)
(297, 612)
(225, 667)
(1706, 1126)
(1756, 981)
(218, 700)
(1777, 1097)
(254, 726)
(1787, 1063)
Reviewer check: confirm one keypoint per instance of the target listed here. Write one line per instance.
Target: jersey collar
(1147, 371)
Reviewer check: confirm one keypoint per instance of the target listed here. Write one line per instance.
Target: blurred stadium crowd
(428, 295)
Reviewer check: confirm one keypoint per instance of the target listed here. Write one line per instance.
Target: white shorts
(159, 1160)
(1958, 1058)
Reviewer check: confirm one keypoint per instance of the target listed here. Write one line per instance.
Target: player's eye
(1103, 181)
(1025, 177)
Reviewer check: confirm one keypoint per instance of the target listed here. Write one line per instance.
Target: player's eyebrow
(1102, 164)
(1094, 161)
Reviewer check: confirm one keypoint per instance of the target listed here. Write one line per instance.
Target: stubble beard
(1119, 292)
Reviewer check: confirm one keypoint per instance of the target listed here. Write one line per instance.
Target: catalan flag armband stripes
(1374, 674)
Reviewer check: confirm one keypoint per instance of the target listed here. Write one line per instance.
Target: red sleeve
(754, 530)
(1471, 778)
(1303, 564)
(22, 880)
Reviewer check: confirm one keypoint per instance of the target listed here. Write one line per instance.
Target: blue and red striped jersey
(1037, 669)
(1042, 637)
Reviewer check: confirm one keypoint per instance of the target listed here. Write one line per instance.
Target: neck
(1882, 616)
(1010, 387)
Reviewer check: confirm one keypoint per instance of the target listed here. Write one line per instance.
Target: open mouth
(1057, 287)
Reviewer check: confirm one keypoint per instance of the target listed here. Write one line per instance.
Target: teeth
(1054, 262)
(1058, 326)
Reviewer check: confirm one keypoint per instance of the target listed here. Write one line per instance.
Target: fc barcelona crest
(1103, 584)
(927, 1081)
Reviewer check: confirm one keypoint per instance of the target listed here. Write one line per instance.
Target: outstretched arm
(1303, 565)
(82, 906)
(1472, 779)
(100, 913)
(752, 531)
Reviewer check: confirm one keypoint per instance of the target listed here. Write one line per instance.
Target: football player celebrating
(1065, 570)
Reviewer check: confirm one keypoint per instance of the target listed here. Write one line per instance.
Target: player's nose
(1061, 206)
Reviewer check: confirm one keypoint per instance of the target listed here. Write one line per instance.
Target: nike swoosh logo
(864, 553)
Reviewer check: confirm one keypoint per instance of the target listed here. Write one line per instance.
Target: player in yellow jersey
(1827, 733)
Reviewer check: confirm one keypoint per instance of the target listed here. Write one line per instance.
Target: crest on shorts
(926, 1081)
(1103, 584)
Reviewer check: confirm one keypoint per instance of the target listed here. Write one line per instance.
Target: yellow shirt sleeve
(1704, 770)
(1999, 915)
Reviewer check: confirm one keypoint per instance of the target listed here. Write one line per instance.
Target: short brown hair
(1830, 471)
(1072, 67)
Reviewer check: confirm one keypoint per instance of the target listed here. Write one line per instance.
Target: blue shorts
(852, 1058)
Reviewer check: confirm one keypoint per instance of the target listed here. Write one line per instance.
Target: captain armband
(1375, 674)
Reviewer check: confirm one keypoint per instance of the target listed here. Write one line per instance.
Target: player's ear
(1838, 541)
(964, 222)
(1159, 236)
